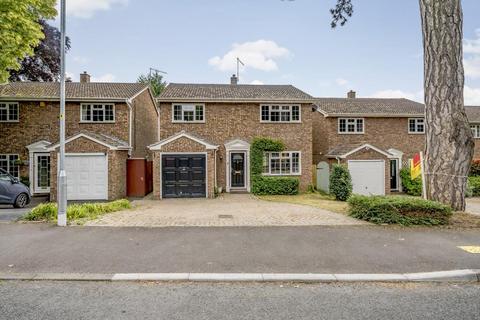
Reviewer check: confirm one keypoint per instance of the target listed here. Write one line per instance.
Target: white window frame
(7, 107)
(416, 126)
(269, 173)
(290, 111)
(355, 125)
(475, 127)
(8, 155)
(91, 112)
(195, 105)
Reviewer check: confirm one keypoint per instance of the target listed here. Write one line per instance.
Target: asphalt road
(46, 248)
(102, 300)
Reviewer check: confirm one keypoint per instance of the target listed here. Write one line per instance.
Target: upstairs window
(281, 163)
(188, 113)
(351, 125)
(475, 130)
(280, 113)
(8, 112)
(8, 162)
(97, 112)
(416, 125)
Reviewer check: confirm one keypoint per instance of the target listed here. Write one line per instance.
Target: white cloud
(472, 67)
(341, 81)
(390, 93)
(257, 82)
(471, 96)
(472, 45)
(108, 77)
(260, 55)
(87, 8)
(70, 75)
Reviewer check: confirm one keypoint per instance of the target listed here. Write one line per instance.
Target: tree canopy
(21, 30)
(155, 80)
(44, 64)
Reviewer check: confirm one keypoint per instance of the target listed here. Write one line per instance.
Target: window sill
(281, 175)
(416, 132)
(188, 121)
(350, 133)
(98, 122)
(281, 122)
(10, 121)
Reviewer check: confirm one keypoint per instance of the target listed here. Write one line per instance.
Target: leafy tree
(155, 80)
(21, 30)
(449, 141)
(44, 64)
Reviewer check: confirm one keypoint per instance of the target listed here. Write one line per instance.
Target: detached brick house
(106, 123)
(374, 137)
(206, 131)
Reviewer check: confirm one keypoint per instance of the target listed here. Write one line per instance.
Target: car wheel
(21, 201)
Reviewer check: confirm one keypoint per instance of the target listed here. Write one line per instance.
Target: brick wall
(145, 125)
(228, 121)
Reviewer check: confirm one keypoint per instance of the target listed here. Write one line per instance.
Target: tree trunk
(449, 141)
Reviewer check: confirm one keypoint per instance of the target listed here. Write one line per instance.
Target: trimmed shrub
(475, 168)
(398, 210)
(340, 182)
(410, 187)
(474, 186)
(274, 185)
(258, 147)
(48, 211)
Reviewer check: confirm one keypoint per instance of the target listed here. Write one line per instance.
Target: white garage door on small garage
(87, 176)
(368, 176)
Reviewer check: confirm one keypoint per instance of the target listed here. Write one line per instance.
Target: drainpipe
(130, 125)
(215, 169)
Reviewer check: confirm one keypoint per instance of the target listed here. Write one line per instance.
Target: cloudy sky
(378, 53)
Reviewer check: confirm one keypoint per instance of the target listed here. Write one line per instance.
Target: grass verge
(76, 213)
(314, 199)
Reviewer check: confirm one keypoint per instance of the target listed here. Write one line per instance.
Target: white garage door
(87, 177)
(368, 176)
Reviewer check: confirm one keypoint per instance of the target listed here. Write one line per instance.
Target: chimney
(351, 94)
(234, 80)
(84, 77)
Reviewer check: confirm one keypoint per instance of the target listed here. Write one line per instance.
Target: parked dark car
(12, 191)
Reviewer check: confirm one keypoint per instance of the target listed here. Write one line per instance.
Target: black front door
(394, 174)
(237, 169)
(183, 176)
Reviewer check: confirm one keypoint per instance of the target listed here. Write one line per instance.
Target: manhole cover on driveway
(225, 216)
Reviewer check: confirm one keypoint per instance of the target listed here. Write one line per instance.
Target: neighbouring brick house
(206, 131)
(374, 137)
(106, 123)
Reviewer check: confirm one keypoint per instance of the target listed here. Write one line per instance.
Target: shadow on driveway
(8, 213)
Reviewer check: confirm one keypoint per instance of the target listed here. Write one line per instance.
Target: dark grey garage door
(183, 176)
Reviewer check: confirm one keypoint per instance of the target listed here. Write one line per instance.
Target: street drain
(225, 216)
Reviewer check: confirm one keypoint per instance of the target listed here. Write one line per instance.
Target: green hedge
(275, 185)
(474, 186)
(340, 182)
(264, 185)
(398, 210)
(410, 187)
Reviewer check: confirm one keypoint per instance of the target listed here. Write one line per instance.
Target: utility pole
(62, 174)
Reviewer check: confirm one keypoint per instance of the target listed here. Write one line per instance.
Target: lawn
(313, 199)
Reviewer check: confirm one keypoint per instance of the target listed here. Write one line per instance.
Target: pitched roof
(369, 106)
(342, 151)
(473, 113)
(106, 140)
(74, 90)
(182, 134)
(189, 92)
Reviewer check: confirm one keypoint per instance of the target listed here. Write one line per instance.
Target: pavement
(149, 300)
(42, 248)
(9, 213)
(225, 210)
(473, 205)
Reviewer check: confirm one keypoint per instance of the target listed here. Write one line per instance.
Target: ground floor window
(8, 162)
(281, 163)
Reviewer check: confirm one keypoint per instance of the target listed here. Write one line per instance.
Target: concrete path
(106, 300)
(27, 248)
(473, 206)
(226, 210)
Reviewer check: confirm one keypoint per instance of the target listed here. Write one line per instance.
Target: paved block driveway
(226, 210)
